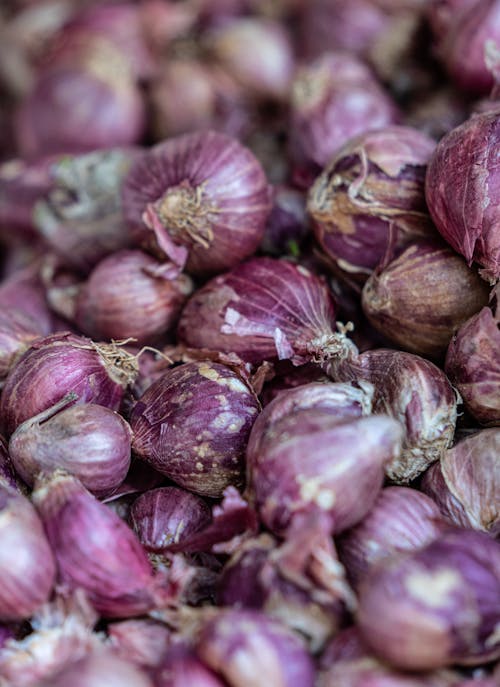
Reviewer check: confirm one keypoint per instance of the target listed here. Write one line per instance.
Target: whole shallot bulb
(202, 199)
(465, 483)
(264, 309)
(370, 199)
(437, 606)
(192, 424)
(462, 191)
(27, 566)
(89, 441)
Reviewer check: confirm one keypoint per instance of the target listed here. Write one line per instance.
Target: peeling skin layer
(193, 423)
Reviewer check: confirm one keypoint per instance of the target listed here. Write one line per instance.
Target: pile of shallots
(249, 343)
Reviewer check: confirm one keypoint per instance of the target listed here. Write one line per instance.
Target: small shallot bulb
(130, 295)
(422, 297)
(437, 606)
(264, 309)
(401, 519)
(101, 668)
(167, 515)
(192, 424)
(94, 549)
(202, 199)
(244, 646)
(466, 482)
(27, 566)
(462, 184)
(87, 440)
(371, 198)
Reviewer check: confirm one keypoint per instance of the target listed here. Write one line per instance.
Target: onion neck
(185, 213)
(333, 347)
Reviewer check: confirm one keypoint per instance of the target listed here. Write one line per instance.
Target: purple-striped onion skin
(466, 482)
(94, 549)
(87, 440)
(371, 198)
(27, 566)
(400, 520)
(192, 425)
(437, 606)
(57, 365)
(167, 515)
(462, 191)
(235, 644)
(202, 199)
(311, 462)
(264, 309)
(128, 295)
(101, 667)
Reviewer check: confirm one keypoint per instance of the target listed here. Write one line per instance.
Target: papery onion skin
(128, 295)
(466, 482)
(27, 564)
(192, 425)
(142, 641)
(88, 440)
(416, 393)
(182, 667)
(94, 549)
(264, 309)
(437, 606)
(204, 197)
(61, 364)
(422, 297)
(167, 515)
(462, 191)
(400, 520)
(98, 669)
(310, 462)
(370, 199)
(236, 642)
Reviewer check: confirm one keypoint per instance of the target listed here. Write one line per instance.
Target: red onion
(236, 644)
(142, 641)
(100, 669)
(200, 198)
(80, 216)
(466, 482)
(167, 515)
(27, 565)
(473, 364)
(182, 668)
(95, 550)
(287, 225)
(461, 191)
(264, 72)
(130, 295)
(60, 364)
(192, 425)
(370, 199)
(415, 392)
(436, 606)
(89, 441)
(262, 310)
(334, 98)
(422, 297)
(401, 520)
(312, 462)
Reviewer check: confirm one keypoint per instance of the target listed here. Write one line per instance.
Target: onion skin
(237, 642)
(264, 309)
(461, 191)
(167, 515)
(202, 199)
(129, 294)
(182, 667)
(98, 669)
(27, 579)
(142, 641)
(192, 425)
(370, 199)
(310, 463)
(422, 297)
(437, 606)
(400, 520)
(87, 440)
(7, 477)
(112, 568)
(62, 364)
(466, 482)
